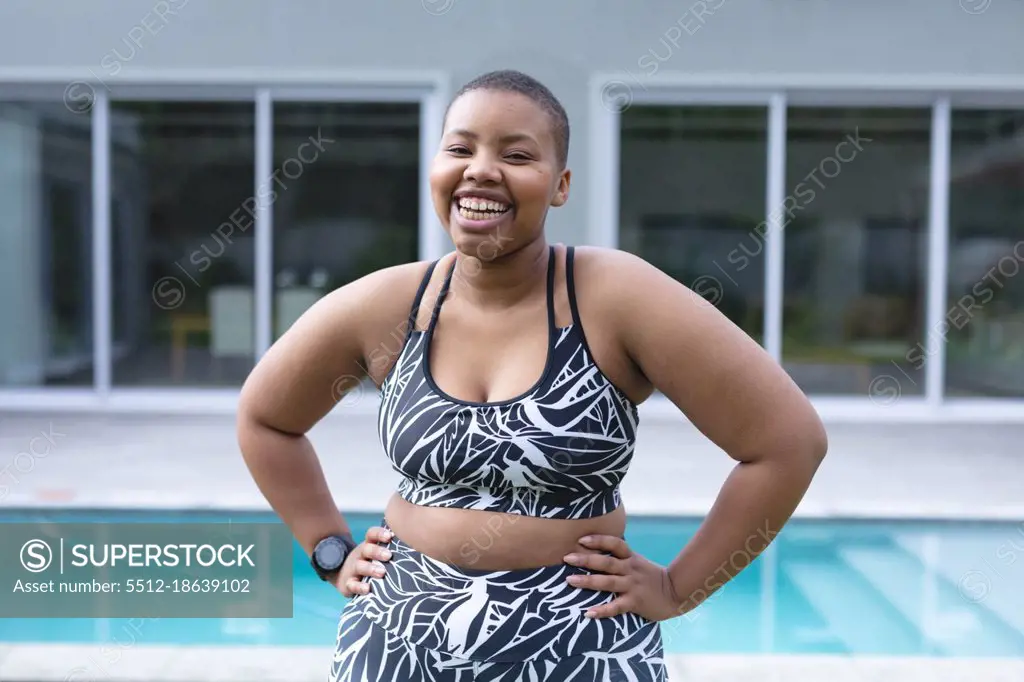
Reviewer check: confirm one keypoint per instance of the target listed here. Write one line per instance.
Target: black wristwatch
(330, 553)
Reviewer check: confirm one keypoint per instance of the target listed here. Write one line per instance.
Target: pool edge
(172, 663)
(866, 513)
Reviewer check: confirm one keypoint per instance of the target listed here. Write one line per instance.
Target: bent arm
(287, 471)
(295, 384)
(743, 401)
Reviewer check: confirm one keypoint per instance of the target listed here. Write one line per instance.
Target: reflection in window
(46, 259)
(347, 200)
(183, 305)
(692, 192)
(855, 267)
(985, 289)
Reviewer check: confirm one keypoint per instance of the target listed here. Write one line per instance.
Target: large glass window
(45, 245)
(345, 197)
(983, 327)
(182, 188)
(855, 220)
(692, 199)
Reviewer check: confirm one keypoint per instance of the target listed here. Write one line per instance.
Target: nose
(482, 168)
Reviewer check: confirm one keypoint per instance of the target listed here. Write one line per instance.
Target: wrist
(673, 594)
(687, 589)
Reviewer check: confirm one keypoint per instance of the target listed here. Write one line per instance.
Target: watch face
(330, 554)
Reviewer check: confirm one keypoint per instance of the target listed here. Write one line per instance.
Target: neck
(502, 281)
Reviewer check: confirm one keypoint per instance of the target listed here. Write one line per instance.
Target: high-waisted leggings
(427, 620)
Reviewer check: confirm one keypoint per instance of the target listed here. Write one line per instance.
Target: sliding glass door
(345, 192)
(872, 242)
(46, 268)
(228, 219)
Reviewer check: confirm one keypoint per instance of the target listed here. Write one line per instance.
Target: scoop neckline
(548, 360)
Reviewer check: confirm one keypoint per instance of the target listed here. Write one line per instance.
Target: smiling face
(496, 172)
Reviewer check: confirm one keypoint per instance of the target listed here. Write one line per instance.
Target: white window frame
(430, 89)
(777, 92)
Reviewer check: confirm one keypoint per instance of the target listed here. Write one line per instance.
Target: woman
(510, 409)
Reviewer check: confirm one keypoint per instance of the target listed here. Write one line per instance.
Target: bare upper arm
(324, 354)
(722, 380)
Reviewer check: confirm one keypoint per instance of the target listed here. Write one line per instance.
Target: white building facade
(844, 180)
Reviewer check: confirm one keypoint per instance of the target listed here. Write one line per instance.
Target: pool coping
(174, 663)
(692, 510)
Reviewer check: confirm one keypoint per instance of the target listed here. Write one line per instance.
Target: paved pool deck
(181, 461)
(886, 471)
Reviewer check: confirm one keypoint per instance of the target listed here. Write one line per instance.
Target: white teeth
(477, 215)
(476, 204)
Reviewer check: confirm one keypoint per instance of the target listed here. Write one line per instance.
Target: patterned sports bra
(557, 451)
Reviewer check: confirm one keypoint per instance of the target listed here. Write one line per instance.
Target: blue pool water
(896, 588)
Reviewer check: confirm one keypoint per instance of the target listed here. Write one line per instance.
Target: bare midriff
(493, 541)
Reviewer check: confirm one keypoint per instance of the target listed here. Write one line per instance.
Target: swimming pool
(832, 587)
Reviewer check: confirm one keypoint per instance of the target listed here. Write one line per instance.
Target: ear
(562, 192)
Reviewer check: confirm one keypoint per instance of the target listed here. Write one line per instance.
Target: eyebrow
(504, 139)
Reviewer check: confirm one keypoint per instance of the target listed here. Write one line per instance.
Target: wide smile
(479, 213)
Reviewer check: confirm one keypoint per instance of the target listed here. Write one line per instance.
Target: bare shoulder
(387, 303)
(720, 378)
(615, 270)
(324, 353)
(617, 282)
(368, 309)
(606, 282)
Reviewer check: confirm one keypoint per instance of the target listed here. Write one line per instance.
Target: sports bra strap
(570, 285)
(419, 296)
(448, 280)
(442, 295)
(551, 290)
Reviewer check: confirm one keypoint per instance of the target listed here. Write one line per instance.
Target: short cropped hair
(508, 80)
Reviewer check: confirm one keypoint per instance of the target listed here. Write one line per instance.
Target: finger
(613, 608)
(370, 551)
(597, 562)
(356, 586)
(378, 534)
(599, 582)
(364, 567)
(608, 543)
